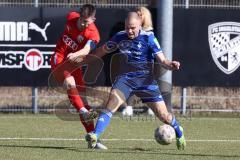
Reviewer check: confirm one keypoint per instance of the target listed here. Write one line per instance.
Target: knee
(167, 117)
(69, 82)
(115, 100)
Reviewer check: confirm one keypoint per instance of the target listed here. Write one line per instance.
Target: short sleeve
(154, 44)
(94, 35)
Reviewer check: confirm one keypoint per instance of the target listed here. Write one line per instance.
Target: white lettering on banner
(32, 59)
(13, 31)
(18, 51)
(11, 59)
(19, 31)
(22, 31)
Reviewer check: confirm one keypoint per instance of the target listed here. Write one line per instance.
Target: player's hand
(75, 58)
(72, 56)
(174, 65)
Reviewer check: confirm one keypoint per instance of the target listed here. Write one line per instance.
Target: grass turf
(126, 139)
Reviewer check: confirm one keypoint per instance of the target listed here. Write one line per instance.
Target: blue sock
(102, 122)
(176, 127)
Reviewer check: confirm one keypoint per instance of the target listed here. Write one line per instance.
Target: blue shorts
(143, 86)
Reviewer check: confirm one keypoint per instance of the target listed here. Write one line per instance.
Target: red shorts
(61, 69)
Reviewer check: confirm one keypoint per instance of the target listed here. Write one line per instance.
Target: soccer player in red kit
(79, 38)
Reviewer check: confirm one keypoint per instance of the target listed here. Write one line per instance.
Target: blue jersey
(139, 52)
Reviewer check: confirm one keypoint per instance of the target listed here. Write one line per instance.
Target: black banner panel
(207, 43)
(27, 41)
(28, 37)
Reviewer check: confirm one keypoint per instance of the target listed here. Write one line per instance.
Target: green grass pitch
(46, 137)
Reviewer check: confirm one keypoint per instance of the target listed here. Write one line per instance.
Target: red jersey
(72, 39)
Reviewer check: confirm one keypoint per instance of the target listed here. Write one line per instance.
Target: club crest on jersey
(125, 45)
(80, 38)
(224, 42)
(139, 45)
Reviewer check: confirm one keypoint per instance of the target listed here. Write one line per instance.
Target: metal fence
(206, 101)
(75, 3)
(207, 4)
(122, 3)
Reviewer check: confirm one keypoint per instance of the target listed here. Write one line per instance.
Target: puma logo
(35, 27)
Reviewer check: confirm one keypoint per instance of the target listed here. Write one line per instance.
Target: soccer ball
(127, 111)
(165, 134)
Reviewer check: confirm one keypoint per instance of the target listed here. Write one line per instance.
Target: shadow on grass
(42, 147)
(162, 151)
(136, 150)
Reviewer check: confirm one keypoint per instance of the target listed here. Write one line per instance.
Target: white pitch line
(114, 139)
(213, 140)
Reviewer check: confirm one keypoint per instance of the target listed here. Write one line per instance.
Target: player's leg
(162, 113)
(61, 72)
(116, 99)
(75, 99)
(150, 94)
(114, 102)
(89, 125)
(80, 85)
(119, 93)
(85, 118)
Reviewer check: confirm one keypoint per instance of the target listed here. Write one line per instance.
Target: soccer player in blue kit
(136, 77)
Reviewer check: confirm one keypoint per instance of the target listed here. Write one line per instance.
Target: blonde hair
(147, 24)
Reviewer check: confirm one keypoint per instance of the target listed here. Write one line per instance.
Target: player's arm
(170, 65)
(89, 46)
(157, 51)
(101, 51)
(93, 39)
(108, 47)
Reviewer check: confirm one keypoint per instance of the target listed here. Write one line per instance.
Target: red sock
(77, 102)
(74, 98)
(89, 127)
